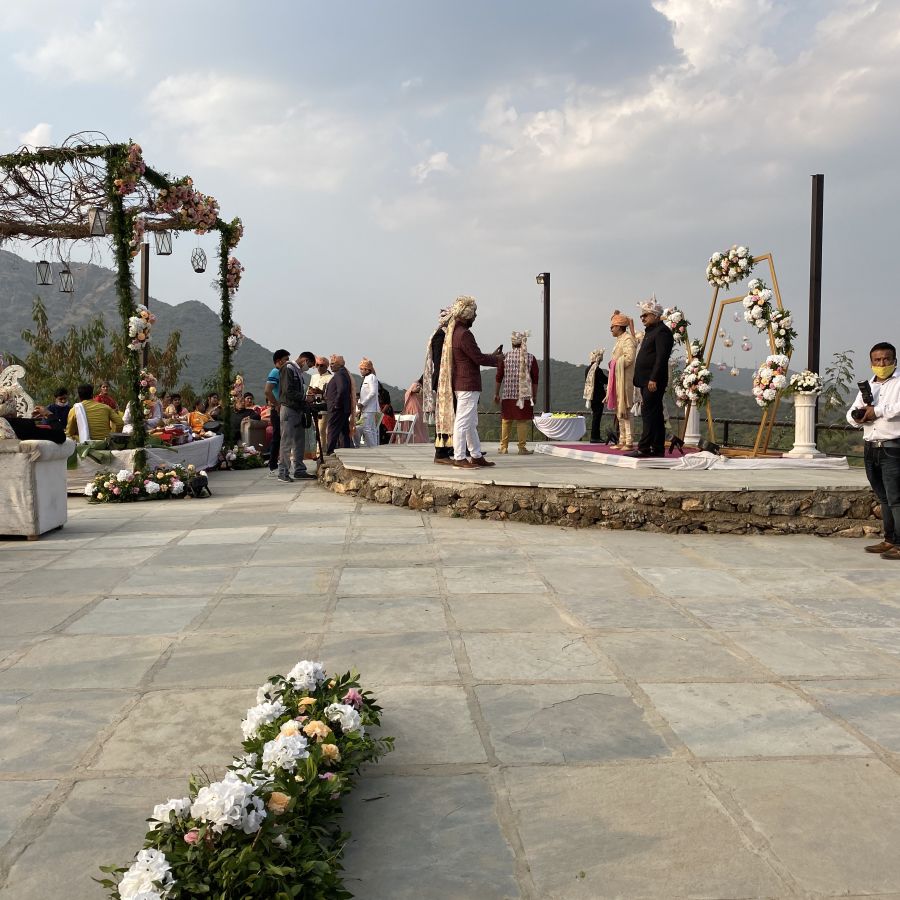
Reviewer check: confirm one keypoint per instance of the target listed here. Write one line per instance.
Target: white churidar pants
(465, 426)
(369, 428)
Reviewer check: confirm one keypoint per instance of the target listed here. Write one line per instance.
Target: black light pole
(145, 293)
(815, 277)
(544, 279)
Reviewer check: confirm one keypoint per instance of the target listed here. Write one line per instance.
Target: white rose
(716, 257)
(742, 251)
(90, 489)
(743, 263)
(181, 808)
(703, 388)
(345, 715)
(123, 475)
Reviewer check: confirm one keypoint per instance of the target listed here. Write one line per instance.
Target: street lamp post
(145, 293)
(544, 279)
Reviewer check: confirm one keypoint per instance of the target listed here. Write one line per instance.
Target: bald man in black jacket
(651, 375)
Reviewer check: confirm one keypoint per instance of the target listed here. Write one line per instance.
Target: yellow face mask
(882, 372)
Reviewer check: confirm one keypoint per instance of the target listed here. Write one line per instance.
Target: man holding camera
(877, 410)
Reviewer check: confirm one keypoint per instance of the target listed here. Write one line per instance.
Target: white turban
(651, 306)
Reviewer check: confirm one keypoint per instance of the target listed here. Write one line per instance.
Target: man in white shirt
(880, 422)
(317, 385)
(368, 403)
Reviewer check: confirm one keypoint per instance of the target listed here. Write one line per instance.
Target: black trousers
(653, 434)
(596, 422)
(275, 446)
(338, 430)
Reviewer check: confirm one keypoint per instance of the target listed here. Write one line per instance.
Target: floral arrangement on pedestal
(806, 382)
(125, 486)
(693, 383)
(770, 378)
(235, 337)
(727, 267)
(139, 326)
(240, 456)
(759, 312)
(677, 323)
(269, 828)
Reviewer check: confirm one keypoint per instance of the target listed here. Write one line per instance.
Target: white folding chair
(401, 434)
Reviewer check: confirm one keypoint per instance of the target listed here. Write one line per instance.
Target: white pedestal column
(804, 428)
(692, 433)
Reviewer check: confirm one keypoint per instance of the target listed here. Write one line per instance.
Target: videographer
(876, 410)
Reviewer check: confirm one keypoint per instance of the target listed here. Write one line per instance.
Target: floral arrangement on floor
(240, 456)
(806, 382)
(269, 827)
(144, 484)
(677, 323)
(139, 326)
(235, 337)
(770, 378)
(728, 267)
(692, 384)
(759, 312)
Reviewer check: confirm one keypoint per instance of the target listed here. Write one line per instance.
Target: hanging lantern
(163, 242)
(198, 260)
(735, 372)
(721, 332)
(729, 342)
(746, 346)
(66, 281)
(97, 217)
(44, 272)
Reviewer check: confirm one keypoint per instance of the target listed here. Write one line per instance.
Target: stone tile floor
(578, 714)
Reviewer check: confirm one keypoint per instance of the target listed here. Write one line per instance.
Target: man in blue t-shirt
(280, 358)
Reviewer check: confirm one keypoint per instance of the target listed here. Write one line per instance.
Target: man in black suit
(651, 375)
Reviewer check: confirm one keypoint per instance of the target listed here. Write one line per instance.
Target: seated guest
(90, 420)
(198, 418)
(250, 403)
(58, 410)
(241, 412)
(214, 406)
(106, 397)
(176, 410)
(14, 428)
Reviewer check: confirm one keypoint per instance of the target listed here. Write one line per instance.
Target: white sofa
(33, 486)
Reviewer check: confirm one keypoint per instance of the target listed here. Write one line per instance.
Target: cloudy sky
(387, 156)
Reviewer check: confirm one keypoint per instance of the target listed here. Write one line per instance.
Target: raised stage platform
(562, 490)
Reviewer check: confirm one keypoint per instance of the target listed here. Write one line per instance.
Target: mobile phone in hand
(499, 349)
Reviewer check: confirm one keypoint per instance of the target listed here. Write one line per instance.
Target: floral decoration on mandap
(728, 267)
(235, 338)
(770, 378)
(677, 323)
(147, 393)
(693, 383)
(138, 228)
(806, 382)
(233, 273)
(760, 312)
(131, 171)
(271, 821)
(139, 327)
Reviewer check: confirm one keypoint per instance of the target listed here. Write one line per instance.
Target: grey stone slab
(295, 615)
(14, 564)
(813, 652)
(215, 660)
(413, 714)
(860, 612)
(724, 720)
(492, 579)
(404, 580)
(35, 616)
(152, 537)
(387, 614)
(308, 535)
(154, 733)
(467, 554)
(387, 659)
(243, 535)
(139, 615)
(676, 656)
(550, 551)
(369, 534)
(834, 823)
(17, 801)
(106, 559)
(441, 832)
(698, 582)
(44, 583)
(26, 720)
(101, 822)
(566, 723)
(507, 612)
(545, 656)
(769, 582)
(208, 556)
(166, 573)
(610, 611)
(85, 661)
(637, 831)
(728, 612)
(390, 556)
(285, 579)
(871, 706)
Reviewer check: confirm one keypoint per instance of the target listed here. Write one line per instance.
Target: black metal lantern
(66, 281)
(198, 260)
(97, 221)
(163, 242)
(44, 272)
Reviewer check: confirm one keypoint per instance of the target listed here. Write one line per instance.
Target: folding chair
(401, 435)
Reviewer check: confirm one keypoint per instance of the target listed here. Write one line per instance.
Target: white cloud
(437, 162)
(411, 83)
(39, 136)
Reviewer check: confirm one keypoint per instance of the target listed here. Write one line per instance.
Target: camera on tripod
(865, 391)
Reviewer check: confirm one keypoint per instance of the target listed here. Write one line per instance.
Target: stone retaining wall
(843, 512)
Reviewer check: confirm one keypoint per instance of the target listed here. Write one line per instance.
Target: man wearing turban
(620, 389)
(368, 403)
(651, 376)
(517, 381)
(443, 443)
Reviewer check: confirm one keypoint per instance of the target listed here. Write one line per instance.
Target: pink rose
(192, 836)
(327, 776)
(354, 698)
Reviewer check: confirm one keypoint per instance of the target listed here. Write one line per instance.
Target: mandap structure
(91, 188)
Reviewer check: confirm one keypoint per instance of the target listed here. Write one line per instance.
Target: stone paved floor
(578, 714)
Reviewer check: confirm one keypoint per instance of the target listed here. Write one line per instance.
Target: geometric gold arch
(717, 308)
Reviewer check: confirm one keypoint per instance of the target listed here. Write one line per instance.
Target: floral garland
(272, 819)
(147, 393)
(235, 337)
(144, 484)
(677, 323)
(233, 274)
(130, 171)
(729, 266)
(759, 312)
(770, 378)
(195, 209)
(139, 327)
(806, 382)
(235, 232)
(240, 456)
(693, 384)
(138, 227)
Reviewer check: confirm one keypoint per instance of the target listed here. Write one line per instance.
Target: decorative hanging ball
(735, 372)
(746, 346)
(722, 367)
(198, 260)
(729, 342)
(737, 317)
(721, 332)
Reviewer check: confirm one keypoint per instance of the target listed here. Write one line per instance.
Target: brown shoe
(893, 553)
(463, 463)
(444, 461)
(883, 547)
(524, 451)
(481, 461)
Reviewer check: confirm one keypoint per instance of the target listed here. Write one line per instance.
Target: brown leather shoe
(883, 547)
(463, 464)
(482, 462)
(444, 461)
(893, 553)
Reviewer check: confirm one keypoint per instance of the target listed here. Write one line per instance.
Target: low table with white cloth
(561, 428)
